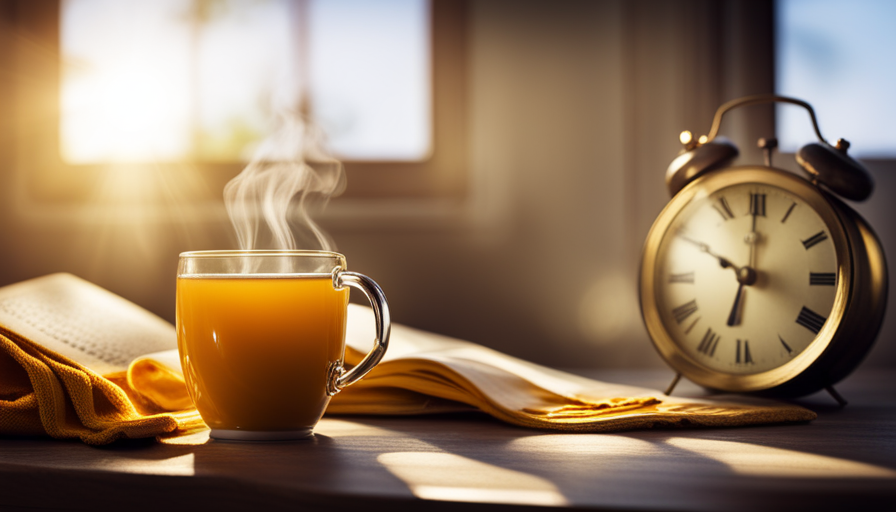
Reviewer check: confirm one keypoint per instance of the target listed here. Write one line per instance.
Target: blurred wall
(575, 109)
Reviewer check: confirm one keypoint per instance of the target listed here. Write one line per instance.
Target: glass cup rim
(230, 253)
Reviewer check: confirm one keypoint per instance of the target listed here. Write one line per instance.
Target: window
(839, 58)
(95, 107)
(200, 79)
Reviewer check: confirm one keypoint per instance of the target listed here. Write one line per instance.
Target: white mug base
(260, 435)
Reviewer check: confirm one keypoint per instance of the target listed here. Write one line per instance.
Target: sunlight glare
(127, 101)
(195, 80)
(452, 477)
(767, 461)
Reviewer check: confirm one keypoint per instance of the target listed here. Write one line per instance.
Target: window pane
(172, 80)
(245, 61)
(370, 77)
(839, 57)
(129, 100)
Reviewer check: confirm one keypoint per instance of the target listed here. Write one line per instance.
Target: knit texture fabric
(45, 393)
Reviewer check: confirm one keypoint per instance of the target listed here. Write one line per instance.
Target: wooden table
(844, 459)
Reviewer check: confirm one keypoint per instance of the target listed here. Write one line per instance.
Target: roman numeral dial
(785, 345)
(686, 277)
(814, 240)
(810, 320)
(757, 204)
(746, 278)
(685, 310)
(822, 278)
(742, 355)
(722, 207)
(709, 343)
(788, 212)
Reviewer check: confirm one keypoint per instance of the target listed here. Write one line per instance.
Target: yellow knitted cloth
(45, 393)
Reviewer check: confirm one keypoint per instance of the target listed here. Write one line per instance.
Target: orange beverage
(256, 349)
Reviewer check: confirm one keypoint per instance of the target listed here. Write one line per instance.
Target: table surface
(846, 456)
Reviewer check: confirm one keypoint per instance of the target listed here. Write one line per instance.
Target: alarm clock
(756, 280)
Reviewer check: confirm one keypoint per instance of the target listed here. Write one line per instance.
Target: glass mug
(261, 338)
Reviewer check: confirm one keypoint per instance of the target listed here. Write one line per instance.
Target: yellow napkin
(45, 393)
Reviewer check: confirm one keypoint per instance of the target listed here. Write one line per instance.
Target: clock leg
(833, 392)
(672, 384)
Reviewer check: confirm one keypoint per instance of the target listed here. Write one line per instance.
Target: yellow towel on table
(42, 392)
(65, 347)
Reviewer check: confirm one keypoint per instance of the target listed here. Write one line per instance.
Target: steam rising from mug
(289, 176)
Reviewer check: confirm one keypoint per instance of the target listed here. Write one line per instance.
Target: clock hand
(751, 239)
(723, 261)
(733, 317)
(746, 275)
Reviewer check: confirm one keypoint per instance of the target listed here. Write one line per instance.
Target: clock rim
(704, 186)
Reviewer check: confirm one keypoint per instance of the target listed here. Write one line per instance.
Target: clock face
(745, 278)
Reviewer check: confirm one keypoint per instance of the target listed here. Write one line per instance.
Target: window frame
(47, 179)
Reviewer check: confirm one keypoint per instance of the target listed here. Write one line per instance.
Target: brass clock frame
(859, 303)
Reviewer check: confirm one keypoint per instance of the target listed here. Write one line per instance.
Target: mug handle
(337, 377)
